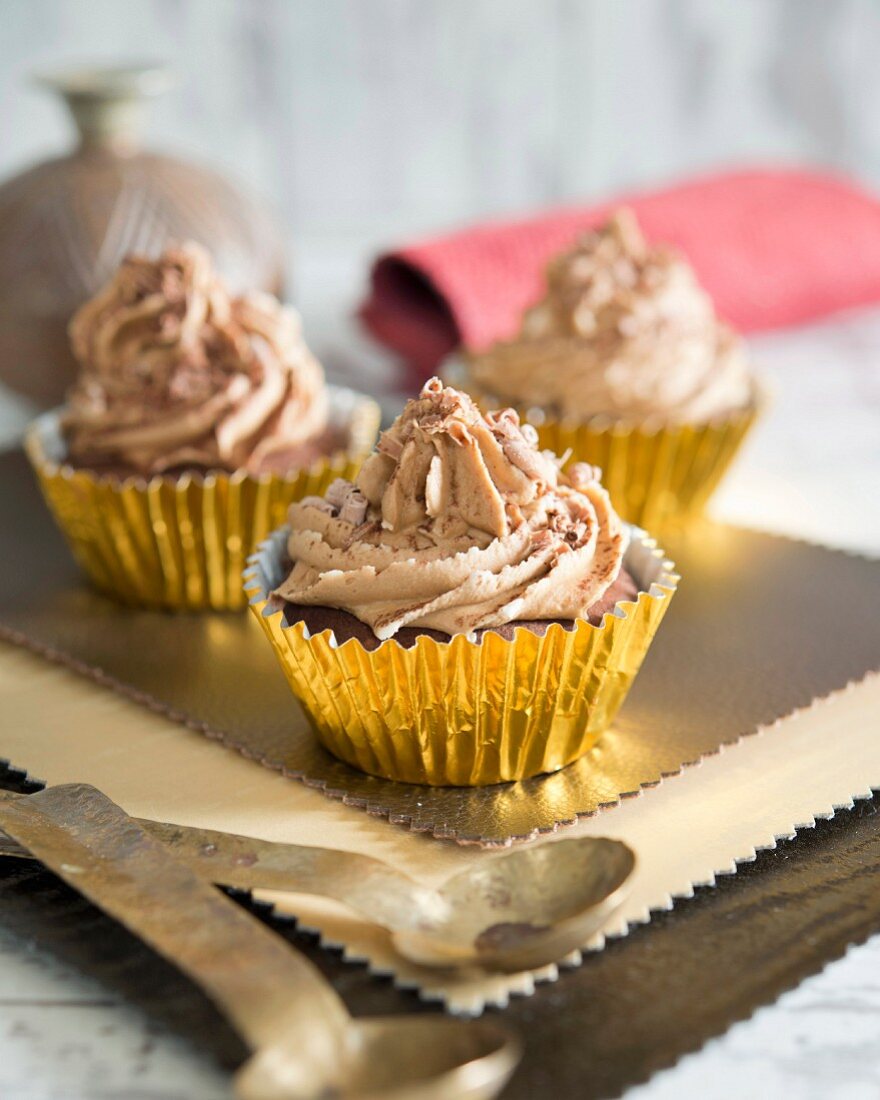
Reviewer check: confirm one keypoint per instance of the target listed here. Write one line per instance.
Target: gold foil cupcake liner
(463, 713)
(182, 542)
(655, 474)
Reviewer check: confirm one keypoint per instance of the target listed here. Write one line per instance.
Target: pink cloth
(773, 247)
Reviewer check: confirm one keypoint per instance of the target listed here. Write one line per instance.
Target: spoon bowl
(395, 1057)
(526, 908)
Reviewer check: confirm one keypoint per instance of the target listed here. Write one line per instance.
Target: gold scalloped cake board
(761, 626)
(701, 823)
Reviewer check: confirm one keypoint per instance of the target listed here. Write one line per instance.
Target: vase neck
(107, 104)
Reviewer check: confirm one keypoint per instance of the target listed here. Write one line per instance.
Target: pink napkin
(773, 247)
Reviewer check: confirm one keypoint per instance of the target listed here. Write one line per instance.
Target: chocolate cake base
(295, 458)
(345, 626)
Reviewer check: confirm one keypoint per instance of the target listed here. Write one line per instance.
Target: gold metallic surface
(462, 713)
(523, 909)
(305, 1042)
(180, 543)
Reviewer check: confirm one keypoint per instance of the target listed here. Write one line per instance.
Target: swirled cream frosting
(624, 331)
(456, 522)
(174, 372)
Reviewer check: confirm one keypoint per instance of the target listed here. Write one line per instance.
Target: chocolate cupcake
(197, 417)
(463, 612)
(624, 363)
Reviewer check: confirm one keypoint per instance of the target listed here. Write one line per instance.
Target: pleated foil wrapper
(463, 713)
(182, 542)
(656, 474)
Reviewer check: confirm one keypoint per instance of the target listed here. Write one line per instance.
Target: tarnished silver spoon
(514, 911)
(305, 1043)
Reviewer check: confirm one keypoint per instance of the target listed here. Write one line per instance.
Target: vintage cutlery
(305, 1043)
(513, 911)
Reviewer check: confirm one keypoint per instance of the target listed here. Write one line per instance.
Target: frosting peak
(457, 522)
(174, 371)
(624, 330)
(442, 463)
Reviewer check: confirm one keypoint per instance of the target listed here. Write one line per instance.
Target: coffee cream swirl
(456, 522)
(176, 372)
(624, 331)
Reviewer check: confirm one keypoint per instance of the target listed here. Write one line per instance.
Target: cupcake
(624, 363)
(463, 612)
(196, 418)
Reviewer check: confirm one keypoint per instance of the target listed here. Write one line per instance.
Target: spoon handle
(382, 894)
(264, 987)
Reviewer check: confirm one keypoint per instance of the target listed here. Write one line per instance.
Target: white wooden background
(367, 121)
(382, 117)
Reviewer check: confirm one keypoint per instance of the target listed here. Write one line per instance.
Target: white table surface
(811, 469)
